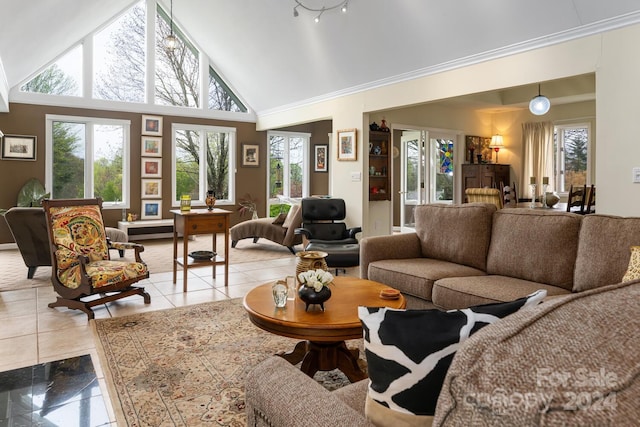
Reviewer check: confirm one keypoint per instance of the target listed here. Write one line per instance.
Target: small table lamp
(496, 144)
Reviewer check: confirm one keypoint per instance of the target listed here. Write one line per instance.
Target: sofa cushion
(455, 233)
(415, 276)
(408, 351)
(603, 251)
(461, 292)
(538, 245)
(633, 271)
(573, 359)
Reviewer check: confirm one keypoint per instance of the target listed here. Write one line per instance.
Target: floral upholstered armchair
(81, 266)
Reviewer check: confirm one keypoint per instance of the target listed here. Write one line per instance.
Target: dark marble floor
(61, 393)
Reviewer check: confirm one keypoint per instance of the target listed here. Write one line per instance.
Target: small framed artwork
(151, 146)
(18, 147)
(250, 155)
(151, 209)
(151, 168)
(347, 145)
(151, 188)
(152, 125)
(321, 157)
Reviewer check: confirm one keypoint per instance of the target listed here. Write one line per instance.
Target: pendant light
(540, 104)
(171, 42)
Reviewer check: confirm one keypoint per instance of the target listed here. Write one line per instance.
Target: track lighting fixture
(342, 5)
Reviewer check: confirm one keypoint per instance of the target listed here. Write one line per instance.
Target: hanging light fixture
(540, 104)
(171, 42)
(342, 5)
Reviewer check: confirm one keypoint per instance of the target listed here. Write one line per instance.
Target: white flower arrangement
(316, 279)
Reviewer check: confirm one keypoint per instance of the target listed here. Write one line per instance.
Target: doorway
(427, 169)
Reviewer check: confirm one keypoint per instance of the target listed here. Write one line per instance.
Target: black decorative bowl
(202, 255)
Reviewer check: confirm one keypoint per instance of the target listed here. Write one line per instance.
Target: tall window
(182, 77)
(571, 144)
(203, 157)
(288, 168)
(88, 157)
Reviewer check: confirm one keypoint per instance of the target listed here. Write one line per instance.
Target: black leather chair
(324, 231)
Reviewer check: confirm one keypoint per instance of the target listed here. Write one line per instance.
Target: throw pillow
(633, 271)
(409, 351)
(280, 218)
(292, 213)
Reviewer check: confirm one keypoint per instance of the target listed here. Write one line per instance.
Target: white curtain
(537, 139)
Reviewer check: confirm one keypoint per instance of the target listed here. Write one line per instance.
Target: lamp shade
(496, 142)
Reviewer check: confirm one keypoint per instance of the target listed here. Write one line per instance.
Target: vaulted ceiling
(274, 60)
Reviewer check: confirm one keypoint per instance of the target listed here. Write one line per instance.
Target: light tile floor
(32, 333)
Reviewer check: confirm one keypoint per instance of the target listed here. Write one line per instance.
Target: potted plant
(248, 205)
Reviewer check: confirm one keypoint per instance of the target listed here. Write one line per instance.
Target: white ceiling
(273, 60)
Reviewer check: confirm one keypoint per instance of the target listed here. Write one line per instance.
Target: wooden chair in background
(591, 200)
(576, 199)
(485, 195)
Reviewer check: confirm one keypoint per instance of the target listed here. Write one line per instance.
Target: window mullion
(88, 174)
(150, 68)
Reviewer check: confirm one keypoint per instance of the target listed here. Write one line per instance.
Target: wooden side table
(200, 221)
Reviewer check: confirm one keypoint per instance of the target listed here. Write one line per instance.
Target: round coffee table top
(338, 322)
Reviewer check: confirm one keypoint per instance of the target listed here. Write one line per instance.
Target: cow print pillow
(409, 351)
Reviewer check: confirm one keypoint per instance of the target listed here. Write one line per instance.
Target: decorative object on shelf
(342, 5)
(377, 150)
(471, 151)
(540, 104)
(496, 143)
(347, 145)
(374, 127)
(210, 201)
(202, 255)
(545, 185)
(383, 148)
(372, 170)
(314, 288)
(310, 260)
(185, 203)
(479, 156)
(248, 205)
(383, 126)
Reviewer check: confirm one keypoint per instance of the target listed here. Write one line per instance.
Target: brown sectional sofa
(463, 255)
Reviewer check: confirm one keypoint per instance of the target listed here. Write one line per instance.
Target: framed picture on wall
(151, 188)
(151, 146)
(347, 145)
(18, 147)
(152, 125)
(321, 156)
(151, 168)
(151, 209)
(250, 155)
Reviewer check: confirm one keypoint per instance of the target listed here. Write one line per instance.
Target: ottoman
(116, 235)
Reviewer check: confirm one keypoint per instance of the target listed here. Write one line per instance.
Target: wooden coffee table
(323, 332)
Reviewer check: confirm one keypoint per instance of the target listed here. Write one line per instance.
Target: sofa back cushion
(604, 250)
(455, 233)
(535, 244)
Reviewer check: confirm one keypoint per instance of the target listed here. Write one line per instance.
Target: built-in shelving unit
(379, 165)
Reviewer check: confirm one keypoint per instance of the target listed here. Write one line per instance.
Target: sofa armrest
(279, 394)
(395, 246)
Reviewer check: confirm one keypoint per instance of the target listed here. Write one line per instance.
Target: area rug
(187, 366)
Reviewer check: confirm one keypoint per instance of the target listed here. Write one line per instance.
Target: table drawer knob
(194, 226)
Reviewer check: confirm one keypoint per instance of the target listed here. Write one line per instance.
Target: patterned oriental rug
(187, 366)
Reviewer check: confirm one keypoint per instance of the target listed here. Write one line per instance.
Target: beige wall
(611, 56)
